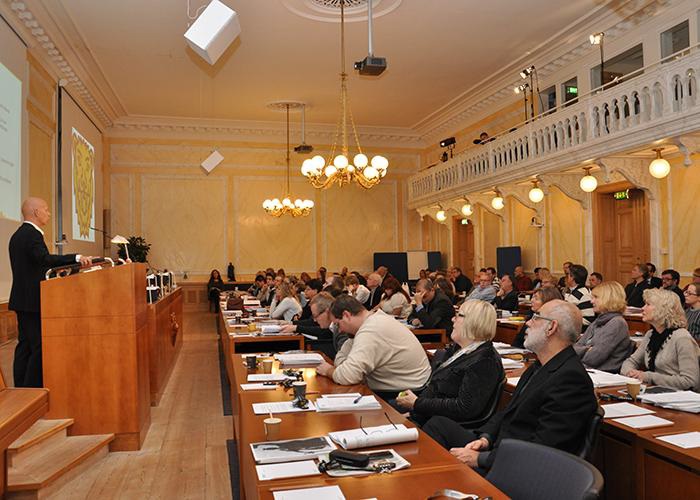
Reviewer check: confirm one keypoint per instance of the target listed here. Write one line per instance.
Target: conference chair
(591, 437)
(531, 471)
(490, 409)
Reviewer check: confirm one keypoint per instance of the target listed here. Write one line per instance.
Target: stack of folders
(511, 364)
(681, 400)
(605, 379)
(374, 436)
(270, 329)
(333, 402)
(311, 358)
(504, 348)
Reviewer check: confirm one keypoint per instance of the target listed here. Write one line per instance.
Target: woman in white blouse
(395, 299)
(284, 305)
(356, 289)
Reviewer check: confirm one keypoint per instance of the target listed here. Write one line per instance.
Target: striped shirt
(581, 298)
(693, 316)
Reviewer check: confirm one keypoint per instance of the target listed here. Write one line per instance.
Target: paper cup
(267, 366)
(251, 361)
(272, 428)
(299, 389)
(633, 388)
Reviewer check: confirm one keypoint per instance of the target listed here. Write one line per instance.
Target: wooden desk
(635, 324)
(432, 337)
(19, 409)
(164, 340)
(636, 465)
(425, 455)
(506, 332)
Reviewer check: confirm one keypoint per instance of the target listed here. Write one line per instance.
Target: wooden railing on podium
(95, 352)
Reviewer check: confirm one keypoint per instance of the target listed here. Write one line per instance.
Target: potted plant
(138, 249)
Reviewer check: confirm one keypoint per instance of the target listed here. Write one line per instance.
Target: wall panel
(565, 218)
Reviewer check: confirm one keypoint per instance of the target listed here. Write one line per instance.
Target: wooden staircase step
(41, 430)
(48, 467)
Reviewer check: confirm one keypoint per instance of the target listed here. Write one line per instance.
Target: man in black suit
(29, 259)
(374, 284)
(553, 403)
(433, 308)
(463, 284)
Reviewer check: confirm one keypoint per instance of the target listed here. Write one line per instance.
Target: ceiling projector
(371, 65)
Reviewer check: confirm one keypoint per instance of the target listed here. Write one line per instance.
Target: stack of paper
(513, 380)
(503, 348)
(374, 436)
(285, 470)
(258, 387)
(685, 440)
(511, 364)
(320, 493)
(605, 379)
(643, 422)
(291, 450)
(268, 377)
(617, 410)
(270, 329)
(347, 404)
(311, 358)
(279, 407)
(249, 301)
(682, 400)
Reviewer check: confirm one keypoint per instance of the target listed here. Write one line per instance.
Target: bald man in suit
(30, 259)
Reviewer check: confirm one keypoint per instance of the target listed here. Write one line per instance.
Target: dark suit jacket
(463, 284)
(375, 299)
(30, 259)
(463, 389)
(634, 292)
(437, 313)
(509, 302)
(552, 405)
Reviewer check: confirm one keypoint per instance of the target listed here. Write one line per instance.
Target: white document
(643, 422)
(504, 348)
(617, 410)
(374, 436)
(270, 329)
(288, 469)
(513, 380)
(291, 450)
(279, 407)
(685, 440)
(258, 387)
(605, 379)
(342, 395)
(511, 364)
(320, 493)
(268, 377)
(347, 404)
(311, 358)
(310, 337)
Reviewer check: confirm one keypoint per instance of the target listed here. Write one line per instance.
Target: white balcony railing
(657, 102)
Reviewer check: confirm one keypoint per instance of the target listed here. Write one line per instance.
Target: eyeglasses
(537, 316)
(376, 432)
(316, 316)
(686, 292)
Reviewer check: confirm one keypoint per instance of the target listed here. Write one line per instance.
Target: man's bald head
(36, 210)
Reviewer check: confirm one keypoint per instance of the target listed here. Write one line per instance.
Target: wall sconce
(588, 183)
(441, 216)
(467, 209)
(497, 202)
(659, 167)
(536, 195)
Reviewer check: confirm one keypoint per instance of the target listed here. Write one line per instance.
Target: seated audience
(696, 276)
(356, 289)
(321, 274)
(537, 282)
(215, 286)
(463, 383)
(335, 285)
(383, 272)
(669, 281)
(447, 287)
(606, 342)
(654, 281)
(692, 313)
(539, 298)
(577, 293)
(395, 301)
(495, 282)
(523, 283)
(305, 277)
(433, 308)
(313, 288)
(257, 285)
(360, 278)
(374, 285)
(267, 292)
(326, 337)
(484, 289)
(640, 281)
(546, 278)
(506, 298)
(344, 272)
(552, 405)
(596, 279)
(562, 281)
(668, 354)
(423, 274)
(285, 304)
(383, 353)
(461, 283)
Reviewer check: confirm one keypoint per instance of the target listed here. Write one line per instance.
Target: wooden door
(621, 232)
(463, 246)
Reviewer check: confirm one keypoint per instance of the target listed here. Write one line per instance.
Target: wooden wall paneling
(463, 246)
(164, 340)
(8, 324)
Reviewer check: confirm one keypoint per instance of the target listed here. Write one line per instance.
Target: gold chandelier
(277, 208)
(338, 169)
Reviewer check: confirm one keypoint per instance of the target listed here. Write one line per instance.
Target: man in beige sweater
(384, 354)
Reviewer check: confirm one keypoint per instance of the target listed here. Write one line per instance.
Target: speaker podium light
(213, 31)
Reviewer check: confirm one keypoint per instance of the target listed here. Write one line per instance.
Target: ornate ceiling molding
(635, 170)
(569, 184)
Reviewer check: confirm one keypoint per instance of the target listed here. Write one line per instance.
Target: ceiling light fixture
(467, 209)
(588, 183)
(338, 169)
(659, 167)
(497, 201)
(299, 207)
(536, 195)
(440, 215)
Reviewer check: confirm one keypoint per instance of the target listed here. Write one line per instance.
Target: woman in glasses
(692, 314)
(465, 379)
(540, 297)
(606, 342)
(668, 354)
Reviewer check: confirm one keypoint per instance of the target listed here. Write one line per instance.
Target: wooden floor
(184, 454)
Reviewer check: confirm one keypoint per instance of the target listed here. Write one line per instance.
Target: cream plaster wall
(683, 202)
(522, 233)
(197, 222)
(565, 220)
(491, 231)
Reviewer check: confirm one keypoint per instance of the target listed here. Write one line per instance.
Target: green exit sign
(622, 195)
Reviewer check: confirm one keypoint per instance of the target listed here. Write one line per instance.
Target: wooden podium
(95, 352)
